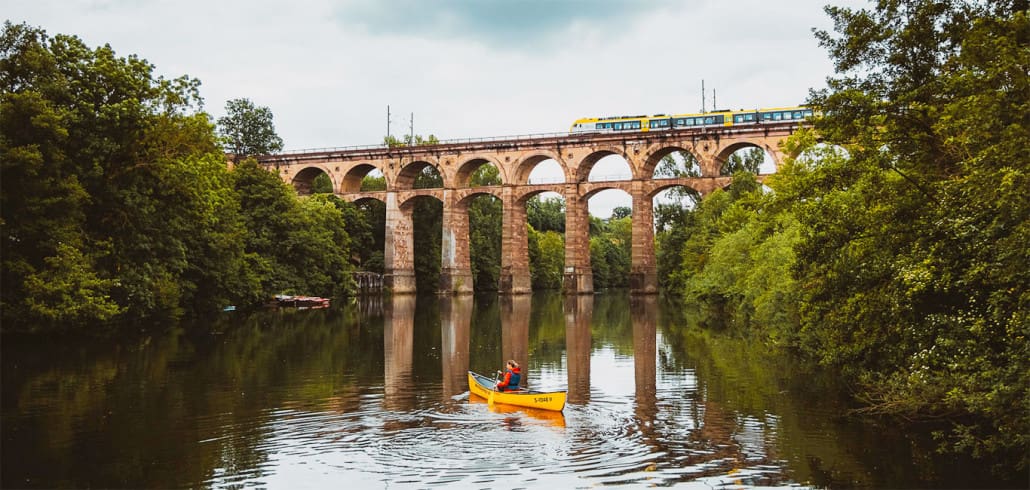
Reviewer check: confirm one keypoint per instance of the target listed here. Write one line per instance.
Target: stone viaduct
(515, 158)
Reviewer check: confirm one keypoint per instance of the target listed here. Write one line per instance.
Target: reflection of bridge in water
(715, 429)
(515, 315)
(515, 159)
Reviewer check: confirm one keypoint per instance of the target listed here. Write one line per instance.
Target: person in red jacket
(512, 376)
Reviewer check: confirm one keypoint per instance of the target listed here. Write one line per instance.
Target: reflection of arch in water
(644, 314)
(398, 342)
(515, 331)
(579, 312)
(455, 320)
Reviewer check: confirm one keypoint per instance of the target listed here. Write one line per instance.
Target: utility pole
(411, 127)
(714, 105)
(702, 95)
(388, 122)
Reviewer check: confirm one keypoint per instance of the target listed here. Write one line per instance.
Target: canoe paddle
(490, 399)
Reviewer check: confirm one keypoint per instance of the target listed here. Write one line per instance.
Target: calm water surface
(373, 394)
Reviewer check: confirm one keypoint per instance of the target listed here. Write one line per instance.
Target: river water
(373, 394)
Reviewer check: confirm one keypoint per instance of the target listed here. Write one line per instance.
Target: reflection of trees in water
(106, 413)
(611, 322)
(118, 415)
(760, 403)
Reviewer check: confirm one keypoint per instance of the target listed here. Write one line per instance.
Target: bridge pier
(579, 278)
(398, 261)
(643, 275)
(515, 276)
(456, 265)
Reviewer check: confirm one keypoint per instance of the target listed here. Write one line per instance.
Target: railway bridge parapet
(515, 158)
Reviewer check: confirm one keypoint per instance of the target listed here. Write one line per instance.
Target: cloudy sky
(465, 68)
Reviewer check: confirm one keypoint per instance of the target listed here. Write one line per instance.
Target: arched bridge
(515, 158)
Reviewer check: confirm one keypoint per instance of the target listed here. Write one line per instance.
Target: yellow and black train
(660, 122)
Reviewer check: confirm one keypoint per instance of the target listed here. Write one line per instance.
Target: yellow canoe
(545, 400)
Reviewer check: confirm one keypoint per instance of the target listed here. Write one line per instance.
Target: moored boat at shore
(285, 300)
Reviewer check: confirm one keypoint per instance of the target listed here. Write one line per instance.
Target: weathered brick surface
(515, 159)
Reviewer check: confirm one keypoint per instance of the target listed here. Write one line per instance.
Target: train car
(661, 122)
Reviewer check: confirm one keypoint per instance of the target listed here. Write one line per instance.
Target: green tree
(115, 201)
(298, 246)
(407, 140)
(322, 184)
(749, 160)
(620, 212)
(427, 219)
(913, 254)
(670, 208)
(373, 212)
(610, 245)
(248, 130)
(546, 214)
(546, 258)
(485, 221)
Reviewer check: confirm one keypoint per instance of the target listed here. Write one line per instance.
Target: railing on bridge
(457, 141)
(368, 282)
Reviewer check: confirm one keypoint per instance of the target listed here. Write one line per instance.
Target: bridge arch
(305, 177)
(405, 179)
(587, 163)
(660, 187)
(523, 194)
(406, 200)
(351, 181)
(723, 156)
(524, 167)
(654, 156)
(463, 174)
(466, 199)
(359, 200)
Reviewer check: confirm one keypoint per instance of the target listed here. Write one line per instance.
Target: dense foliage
(546, 228)
(610, 248)
(117, 203)
(247, 130)
(894, 249)
(485, 220)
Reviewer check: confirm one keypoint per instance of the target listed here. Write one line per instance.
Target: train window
(618, 125)
(709, 120)
(738, 118)
(786, 116)
(808, 113)
(680, 122)
(766, 116)
(798, 115)
(777, 116)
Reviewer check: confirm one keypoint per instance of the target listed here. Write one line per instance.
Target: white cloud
(327, 70)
